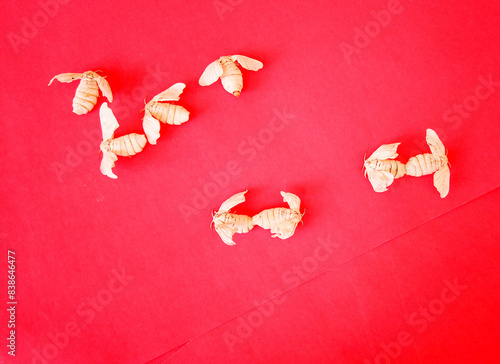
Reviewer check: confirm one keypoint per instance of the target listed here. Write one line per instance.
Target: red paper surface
(128, 270)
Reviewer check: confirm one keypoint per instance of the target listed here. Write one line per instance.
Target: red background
(186, 297)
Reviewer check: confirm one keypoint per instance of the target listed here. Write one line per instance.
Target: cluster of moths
(156, 111)
(382, 169)
(281, 221)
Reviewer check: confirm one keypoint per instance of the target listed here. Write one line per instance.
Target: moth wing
(226, 234)
(108, 122)
(386, 151)
(66, 77)
(104, 87)
(380, 180)
(151, 127)
(442, 180)
(107, 163)
(292, 200)
(211, 73)
(232, 201)
(435, 144)
(285, 229)
(247, 62)
(170, 94)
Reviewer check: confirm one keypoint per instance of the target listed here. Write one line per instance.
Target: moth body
(381, 168)
(396, 168)
(280, 220)
(125, 146)
(423, 164)
(241, 223)
(86, 96)
(227, 224)
(168, 113)
(231, 78)
(87, 91)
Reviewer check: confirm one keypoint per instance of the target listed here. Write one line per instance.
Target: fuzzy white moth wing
(386, 151)
(108, 122)
(170, 94)
(104, 87)
(107, 163)
(435, 144)
(292, 200)
(151, 127)
(211, 73)
(380, 180)
(232, 201)
(247, 62)
(284, 229)
(66, 77)
(442, 180)
(226, 233)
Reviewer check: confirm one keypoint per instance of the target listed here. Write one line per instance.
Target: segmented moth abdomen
(268, 218)
(396, 168)
(128, 145)
(86, 96)
(423, 164)
(242, 223)
(231, 78)
(168, 113)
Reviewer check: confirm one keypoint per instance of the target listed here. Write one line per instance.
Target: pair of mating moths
(382, 169)
(280, 220)
(155, 111)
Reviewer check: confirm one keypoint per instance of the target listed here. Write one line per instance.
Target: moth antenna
(213, 214)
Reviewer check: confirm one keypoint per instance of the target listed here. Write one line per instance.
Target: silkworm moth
(226, 223)
(157, 110)
(280, 220)
(436, 163)
(381, 169)
(87, 91)
(126, 146)
(229, 73)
